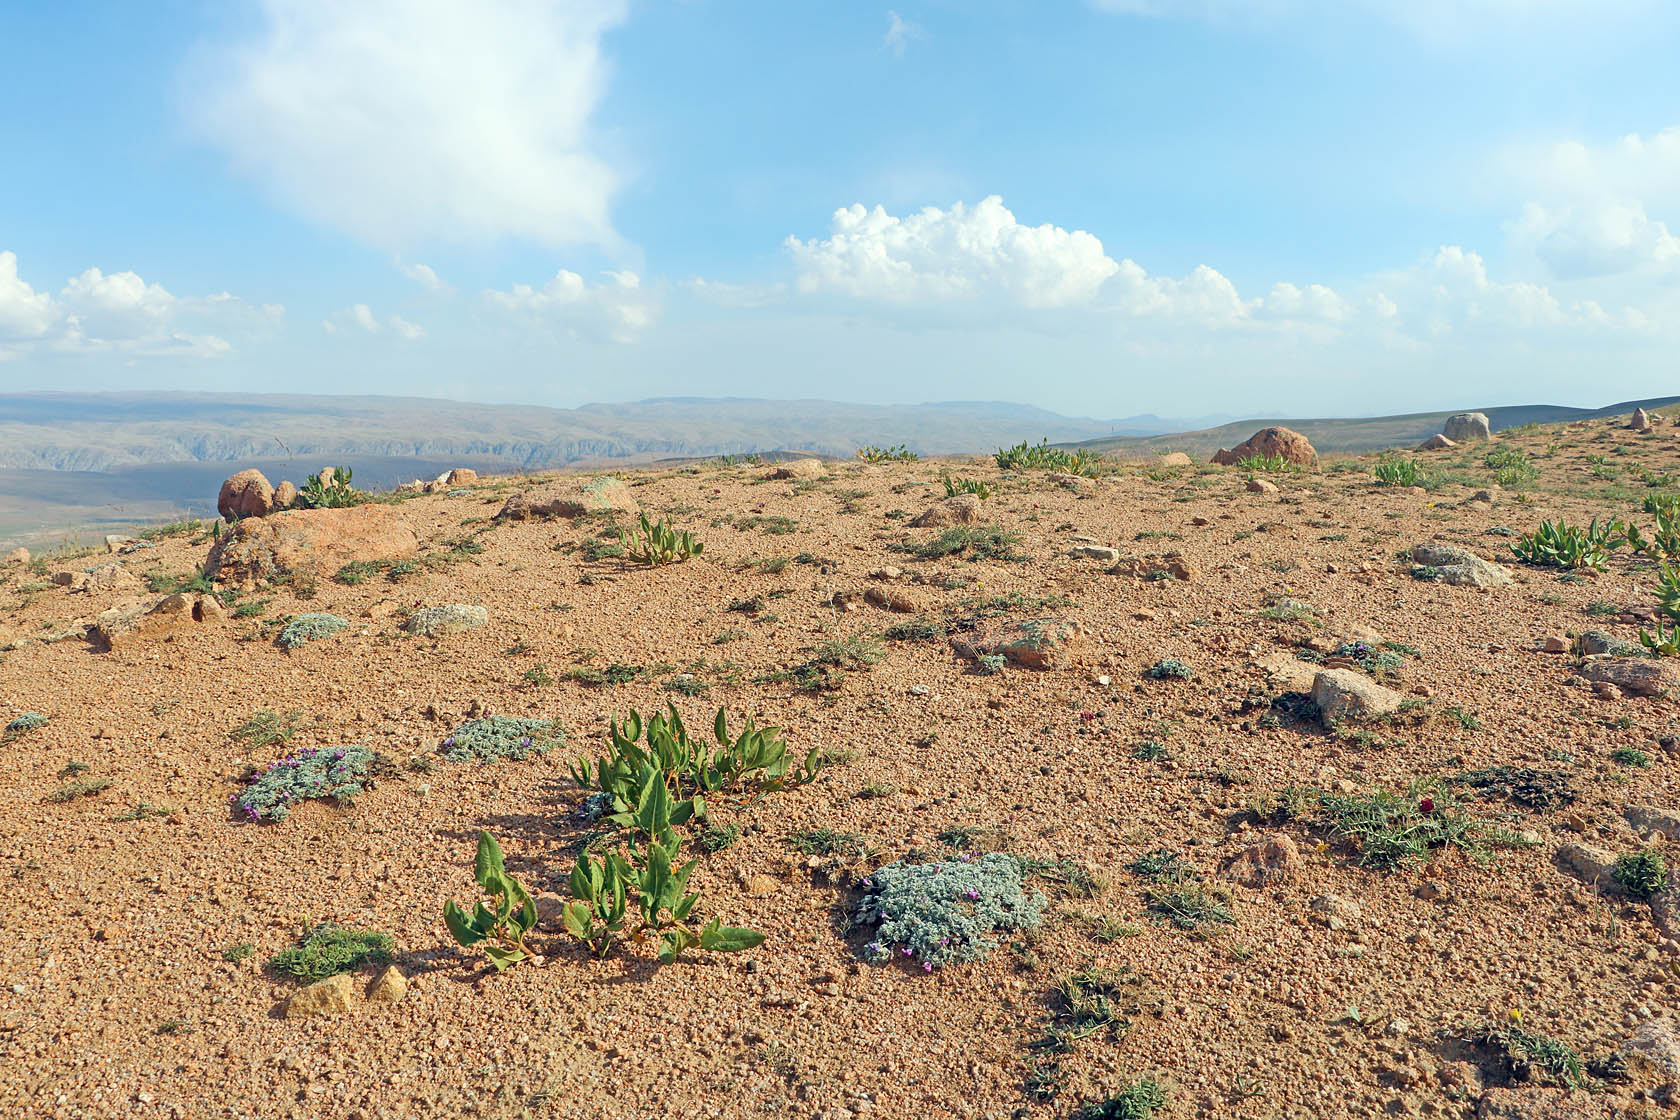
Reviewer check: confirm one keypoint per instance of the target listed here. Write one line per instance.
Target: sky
(1102, 207)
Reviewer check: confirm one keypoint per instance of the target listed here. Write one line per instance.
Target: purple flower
(927, 966)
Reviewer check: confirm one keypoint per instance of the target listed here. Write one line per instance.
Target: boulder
(320, 541)
(1437, 442)
(246, 494)
(333, 996)
(1282, 443)
(1464, 426)
(1078, 483)
(1589, 864)
(452, 618)
(1176, 459)
(461, 476)
(1634, 676)
(1349, 694)
(964, 509)
(1037, 643)
(1640, 421)
(1154, 567)
(572, 497)
(135, 620)
(114, 542)
(1657, 1045)
(799, 469)
(1459, 566)
(285, 495)
(18, 556)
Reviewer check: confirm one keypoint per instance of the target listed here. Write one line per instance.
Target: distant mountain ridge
(116, 431)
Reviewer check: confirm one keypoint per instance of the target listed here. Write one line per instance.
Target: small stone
(758, 886)
(1094, 552)
(332, 996)
(1261, 486)
(1554, 644)
(390, 987)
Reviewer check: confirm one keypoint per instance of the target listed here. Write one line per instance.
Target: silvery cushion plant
(941, 913)
(313, 773)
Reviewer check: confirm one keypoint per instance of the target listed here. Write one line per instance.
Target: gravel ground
(116, 998)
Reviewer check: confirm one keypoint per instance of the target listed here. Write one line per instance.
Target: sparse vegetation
(327, 950)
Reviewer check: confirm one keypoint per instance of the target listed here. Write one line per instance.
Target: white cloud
(619, 310)
(120, 312)
(409, 121)
(359, 317)
(24, 312)
(1606, 238)
(964, 253)
(424, 276)
(899, 33)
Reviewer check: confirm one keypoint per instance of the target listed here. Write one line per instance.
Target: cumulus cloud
(424, 276)
(619, 310)
(97, 311)
(1594, 239)
(359, 318)
(406, 121)
(957, 254)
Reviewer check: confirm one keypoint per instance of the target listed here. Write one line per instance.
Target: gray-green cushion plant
(941, 913)
(313, 773)
(497, 737)
(306, 628)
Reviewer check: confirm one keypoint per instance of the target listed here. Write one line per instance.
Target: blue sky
(1104, 207)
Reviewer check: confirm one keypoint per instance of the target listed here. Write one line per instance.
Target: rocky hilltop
(1043, 785)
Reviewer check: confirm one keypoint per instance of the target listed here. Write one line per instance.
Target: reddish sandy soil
(116, 999)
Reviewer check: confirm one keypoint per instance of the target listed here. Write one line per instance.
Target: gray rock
(1634, 676)
(962, 509)
(1094, 552)
(1460, 567)
(1656, 1044)
(1602, 641)
(1466, 426)
(1652, 818)
(1348, 694)
(451, 618)
(1589, 864)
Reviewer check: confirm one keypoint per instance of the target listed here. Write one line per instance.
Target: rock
(1602, 641)
(1652, 818)
(888, 572)
(135, 621)
(333, 996)
(1094, 552)
(390, 986)
(1460, 567)
(1154, 567)
(461, 476)
(1040, 643)
(1275, 859)
(759, 886)
(1534, 1102)
(1464, 426)
(18, 556)
(110, 577)
(75, 581)
(572, 497)
(1075, 482)
(1176, 459)
(1655, 1043)
(1589, 864)
(1283, 443)
(114, 542)
(320, 541)
(1604, 690)
(1335, 911)
(285, 495)
(1640, 421)
(1437, 442)
(1349, 694)
(1485, 495)
(327, 475)
(451, 618)
(1261, 486)
(1634, 676)
(892, 599)
(1553, 643)
(246, 494)
(800, 469)
(963, 509)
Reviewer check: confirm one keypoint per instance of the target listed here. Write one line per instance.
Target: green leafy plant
(1525, 1051)
(1136, 1101)
(943, 912)
(1170, 669)
(333, 493)
(869, 453)
(984, 542)
(1662, 641)
(659, 544)
(1511, 467)
(1266, 464)
(502, 926)
(1557, 545)
(1041, 456)
(1664, 541)
(327, 950)
(955, 486)
(1397, 471)
(1642, 874)
(1391, 830)
(750, 764)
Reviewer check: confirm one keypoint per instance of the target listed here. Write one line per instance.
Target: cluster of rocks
(337, 994)
(448, 480)
(249, 493)
(1461, 427)
(1642, 421)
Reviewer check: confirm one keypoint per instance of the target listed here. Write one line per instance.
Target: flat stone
(333, 996)
(1349, 694)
